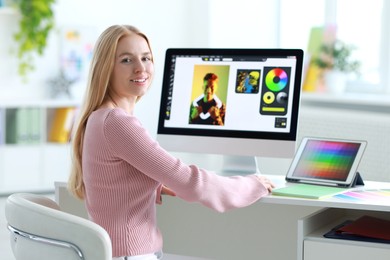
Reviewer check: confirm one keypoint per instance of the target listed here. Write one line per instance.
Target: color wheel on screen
(276, 79)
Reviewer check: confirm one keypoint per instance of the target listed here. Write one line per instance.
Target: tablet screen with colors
(326, 160)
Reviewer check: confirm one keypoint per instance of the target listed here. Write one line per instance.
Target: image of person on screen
(208, 108)
(120, 170)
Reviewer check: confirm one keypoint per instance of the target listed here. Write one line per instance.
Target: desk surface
(367, 197)
(362, 201)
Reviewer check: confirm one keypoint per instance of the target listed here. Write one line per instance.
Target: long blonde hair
(101, 68)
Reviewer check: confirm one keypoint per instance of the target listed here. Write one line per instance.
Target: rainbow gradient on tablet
(326, 160)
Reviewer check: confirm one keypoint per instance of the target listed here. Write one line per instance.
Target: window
(363, 24)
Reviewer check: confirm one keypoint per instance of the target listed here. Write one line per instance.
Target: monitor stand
(239, 165)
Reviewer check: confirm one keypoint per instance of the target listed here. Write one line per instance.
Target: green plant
(337, 56)
(36, 22)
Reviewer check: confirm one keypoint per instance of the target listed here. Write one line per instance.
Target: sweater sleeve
(130, 142)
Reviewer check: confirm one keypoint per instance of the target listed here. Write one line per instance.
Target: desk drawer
(343, 250)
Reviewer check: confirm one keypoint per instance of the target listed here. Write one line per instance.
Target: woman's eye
(147, 58)
(126, 60)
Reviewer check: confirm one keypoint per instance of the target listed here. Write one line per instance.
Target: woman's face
(133, 67)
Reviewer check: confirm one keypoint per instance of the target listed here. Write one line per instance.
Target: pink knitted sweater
(123, 170)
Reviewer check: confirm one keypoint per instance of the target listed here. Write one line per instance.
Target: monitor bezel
(290, 136)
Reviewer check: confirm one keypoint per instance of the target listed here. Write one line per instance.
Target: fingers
(268, 184)
(167, 191)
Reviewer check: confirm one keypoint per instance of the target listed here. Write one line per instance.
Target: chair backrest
(40, 230)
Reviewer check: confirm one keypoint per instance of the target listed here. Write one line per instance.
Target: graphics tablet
(327, 162)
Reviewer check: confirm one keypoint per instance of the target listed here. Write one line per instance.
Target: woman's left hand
(164, 191)
(167, 191)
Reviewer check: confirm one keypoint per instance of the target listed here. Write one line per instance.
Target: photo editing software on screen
(230, 92)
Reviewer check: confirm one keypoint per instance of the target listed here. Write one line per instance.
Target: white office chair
(40, 230)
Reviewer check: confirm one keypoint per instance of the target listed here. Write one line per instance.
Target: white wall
(244, 24)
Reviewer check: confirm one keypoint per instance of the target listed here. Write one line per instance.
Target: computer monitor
(240, 103)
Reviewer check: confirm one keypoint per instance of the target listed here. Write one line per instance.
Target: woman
(120, 170)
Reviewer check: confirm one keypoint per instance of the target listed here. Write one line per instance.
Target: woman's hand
(164, 191)
(167, 191)
(266, 182)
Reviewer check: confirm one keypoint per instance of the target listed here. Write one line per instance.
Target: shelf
(42, 103)
(33, 153)
(318, 234)
(312, 245)
(324, 251)
(7, 11)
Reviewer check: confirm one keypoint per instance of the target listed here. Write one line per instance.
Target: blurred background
(349, 39)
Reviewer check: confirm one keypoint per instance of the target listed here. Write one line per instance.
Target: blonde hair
(101, 68)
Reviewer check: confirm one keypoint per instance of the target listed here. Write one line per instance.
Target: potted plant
(36, 22)
(336, 63)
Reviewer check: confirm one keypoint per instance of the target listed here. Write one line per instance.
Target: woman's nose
(139, 66)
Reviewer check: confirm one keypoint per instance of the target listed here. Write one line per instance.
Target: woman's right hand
(266, 182)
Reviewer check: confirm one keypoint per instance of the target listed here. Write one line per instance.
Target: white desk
(310, 229)
(274, 228)
(331, 202)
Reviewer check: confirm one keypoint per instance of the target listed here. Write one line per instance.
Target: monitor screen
(241, 102)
